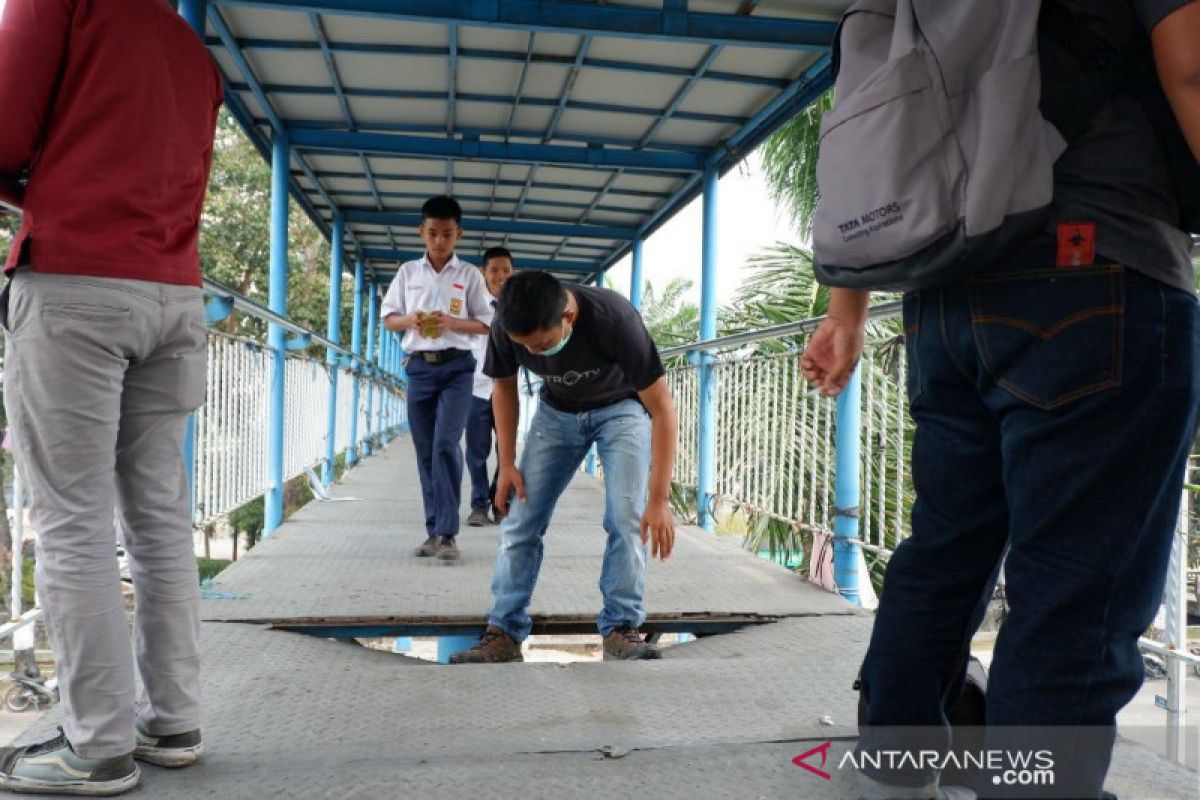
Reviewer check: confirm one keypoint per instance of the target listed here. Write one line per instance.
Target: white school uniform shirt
(458, 290)
(482, 387)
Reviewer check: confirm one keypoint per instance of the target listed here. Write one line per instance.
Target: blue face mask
(558, 348)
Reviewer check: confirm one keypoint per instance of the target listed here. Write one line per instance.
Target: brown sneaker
(478, 518)
(495, 647)
(448, 550)
(627, 644)
(429, 548)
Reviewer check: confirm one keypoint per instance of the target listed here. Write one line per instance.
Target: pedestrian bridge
(294, 715)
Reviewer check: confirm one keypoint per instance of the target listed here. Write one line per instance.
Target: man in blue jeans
(602, 385)
(1055, 400)
(441, 306)
(497, 268)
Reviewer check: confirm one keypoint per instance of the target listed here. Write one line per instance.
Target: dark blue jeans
(479, 446)
(439, 397)
(1054, 411)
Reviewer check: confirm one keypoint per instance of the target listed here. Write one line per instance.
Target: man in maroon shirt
(109, 113)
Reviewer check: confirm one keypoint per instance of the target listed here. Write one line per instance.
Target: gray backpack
(935, 156)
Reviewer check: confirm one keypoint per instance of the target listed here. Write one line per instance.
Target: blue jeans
(556, 444)
(439, 396)
(1054, 411)
(479, 447)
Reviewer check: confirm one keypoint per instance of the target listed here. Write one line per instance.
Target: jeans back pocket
(1051, 336)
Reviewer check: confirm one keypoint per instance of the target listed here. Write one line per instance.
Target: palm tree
(789, 162)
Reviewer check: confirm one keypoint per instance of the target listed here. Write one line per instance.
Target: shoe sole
(517, 660)
(76, 788)
(642, 654)
(450, 560)
(170, 757)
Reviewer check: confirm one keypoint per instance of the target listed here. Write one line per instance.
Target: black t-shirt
(1116, 175)
(609, 358)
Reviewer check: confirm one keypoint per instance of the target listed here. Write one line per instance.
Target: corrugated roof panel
(367, 110)
(396, 77)
(617, 86)
(644, 52)
(377, 30)
(600, 123)
(786, 64)
(410, 73)
(742, 100)
(257, 23)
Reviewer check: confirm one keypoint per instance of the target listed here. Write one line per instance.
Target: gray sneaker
(448, 550)
(478, 518)
(429, 548)
(54, 768)
(176, 750)
(627, 644)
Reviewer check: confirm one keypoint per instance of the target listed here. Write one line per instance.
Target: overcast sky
(748, 223)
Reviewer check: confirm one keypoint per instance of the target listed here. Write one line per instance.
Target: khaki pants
(99, 379)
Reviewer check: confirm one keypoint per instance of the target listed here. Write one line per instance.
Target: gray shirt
(1116, 176)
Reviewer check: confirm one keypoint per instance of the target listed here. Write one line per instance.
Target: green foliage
(670, 320)
(209, 567)
(790, 164)
(235, 239)
(249, 520)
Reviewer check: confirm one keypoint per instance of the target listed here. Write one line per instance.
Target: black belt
(439, 356)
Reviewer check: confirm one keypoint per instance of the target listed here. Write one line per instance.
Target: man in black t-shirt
(602, 385)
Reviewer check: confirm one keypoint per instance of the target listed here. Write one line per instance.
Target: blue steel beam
(563, 100)
(372, 360)
(451, 89)
(583, 19)
(413, 220)
(331, 67)
(707, 433)
(487, 99)
(395, 144)
(509, 56)
(356, 325)
(586, 267)
(276, 335)
(512, 114)
(474, 132)
(565, 187)
(333, 332)
(417, 197)
(535, 247)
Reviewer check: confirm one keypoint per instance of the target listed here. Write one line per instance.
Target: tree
(235, 239)
(790, 164)
(669, 319)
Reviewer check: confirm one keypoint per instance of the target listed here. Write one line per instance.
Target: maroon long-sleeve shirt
(110, 106)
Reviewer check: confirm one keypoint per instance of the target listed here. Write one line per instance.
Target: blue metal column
(356, 349)
(635, 277)
(372, 300)
(708, 378)
(845, 520)
(277, 300)
(333, 332)
(194, 13)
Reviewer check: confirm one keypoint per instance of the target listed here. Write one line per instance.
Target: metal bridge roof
(565, 129)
